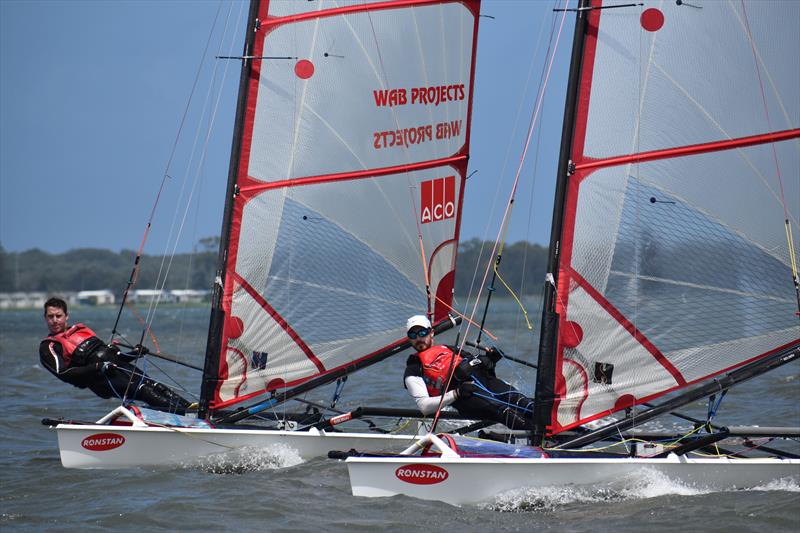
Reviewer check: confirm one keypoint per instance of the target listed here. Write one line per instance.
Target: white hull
(157, 447)
(461, 481)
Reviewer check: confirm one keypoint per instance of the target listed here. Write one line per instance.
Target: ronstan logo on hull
(101, 442)
(421, 474)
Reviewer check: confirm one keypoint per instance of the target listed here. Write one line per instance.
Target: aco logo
(101, 442)
(421, 474)
(437, 199)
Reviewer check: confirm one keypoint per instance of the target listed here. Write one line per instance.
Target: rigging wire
(787, 225)
(164, 271)
(514, 127)
(527, 234)
(154, 302)
(136, 264)
(504, 221)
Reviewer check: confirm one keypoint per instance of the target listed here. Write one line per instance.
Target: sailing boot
(162, 398)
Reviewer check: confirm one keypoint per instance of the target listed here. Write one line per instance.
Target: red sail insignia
(438, 199)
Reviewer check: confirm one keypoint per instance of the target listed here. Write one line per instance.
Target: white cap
(418, 320)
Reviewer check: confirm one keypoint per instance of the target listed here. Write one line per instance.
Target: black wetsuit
(491, 399)
(109, 374)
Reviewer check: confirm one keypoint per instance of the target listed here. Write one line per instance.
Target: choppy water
(272, 490)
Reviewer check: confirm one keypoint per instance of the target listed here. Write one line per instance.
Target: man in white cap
(467, 382)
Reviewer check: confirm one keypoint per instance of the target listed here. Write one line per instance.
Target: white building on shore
(34, 299)
(102, 297)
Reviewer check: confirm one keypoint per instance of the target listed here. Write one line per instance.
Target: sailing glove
(494, 354)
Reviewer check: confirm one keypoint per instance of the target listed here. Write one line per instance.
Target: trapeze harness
(436, 367)
(494, 399)
(79, 341)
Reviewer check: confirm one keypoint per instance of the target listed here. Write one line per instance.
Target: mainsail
(673, 259)
(347, 186)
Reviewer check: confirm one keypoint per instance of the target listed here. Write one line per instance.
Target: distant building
(102, 297)
(22, 300)
(141, 296)
(190, 295)
(30, 300)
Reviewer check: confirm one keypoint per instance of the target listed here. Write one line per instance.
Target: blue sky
(92, 95)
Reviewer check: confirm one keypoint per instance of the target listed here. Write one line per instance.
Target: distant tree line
(522, 266)
(91, 268)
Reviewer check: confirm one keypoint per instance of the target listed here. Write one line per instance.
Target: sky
(92, 95)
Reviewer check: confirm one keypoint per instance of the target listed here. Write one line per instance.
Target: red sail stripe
(629, 327)
(692, 149)
(279, 320)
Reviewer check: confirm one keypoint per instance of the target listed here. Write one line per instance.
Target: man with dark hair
(77, 356)
(470, 381)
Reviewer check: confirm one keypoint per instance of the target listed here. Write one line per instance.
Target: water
(272, 490)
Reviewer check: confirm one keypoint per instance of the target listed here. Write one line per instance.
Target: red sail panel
(674, 263)
(356, 130)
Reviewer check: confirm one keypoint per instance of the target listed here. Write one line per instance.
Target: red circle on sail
(234, 327)
(652, 19)
(624, 401)
(304, 69)
(276, 383)
(571, 334)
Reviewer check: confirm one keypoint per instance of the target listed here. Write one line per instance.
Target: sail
(674, 260)
(347, 200)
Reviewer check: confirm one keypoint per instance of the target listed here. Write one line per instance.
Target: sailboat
(672, 273)
(342, 217)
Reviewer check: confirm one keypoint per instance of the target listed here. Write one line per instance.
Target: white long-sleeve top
(425, 403)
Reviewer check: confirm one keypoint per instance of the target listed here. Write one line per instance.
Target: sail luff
(545, 376)
(216, 321)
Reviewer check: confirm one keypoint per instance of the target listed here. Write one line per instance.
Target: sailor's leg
(515, 409)
(513, 420)
(126, 377)
(160, 396)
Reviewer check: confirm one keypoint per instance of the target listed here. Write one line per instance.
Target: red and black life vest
(436, 366)
(70, 339)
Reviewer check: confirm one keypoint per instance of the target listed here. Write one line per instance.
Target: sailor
(77, 356)
(474, 389)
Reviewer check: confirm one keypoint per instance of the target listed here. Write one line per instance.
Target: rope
(147, 322)
(789, 239)
(337, 392)
(504, 221)
(136, 265)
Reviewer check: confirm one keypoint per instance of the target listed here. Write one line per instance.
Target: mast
(545, 376)
(213, 347)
